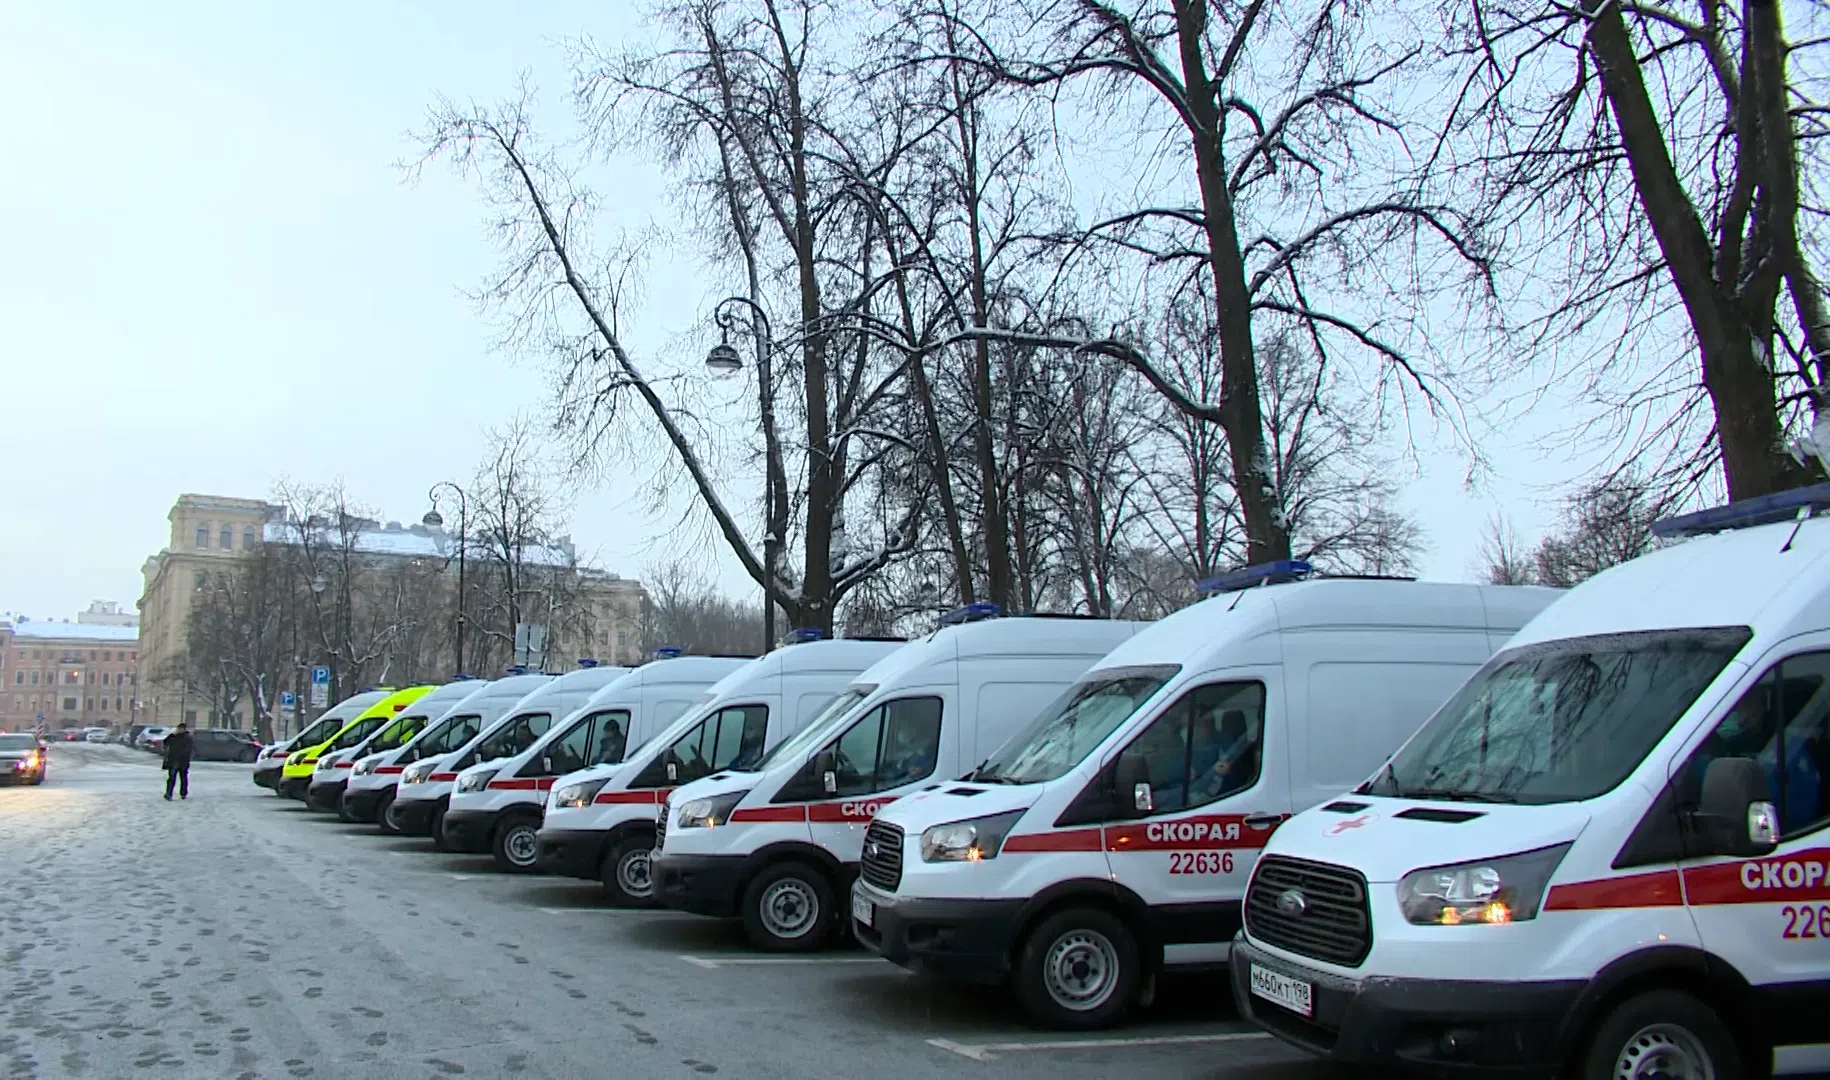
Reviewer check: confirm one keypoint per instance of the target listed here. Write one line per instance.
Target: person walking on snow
(178, 763)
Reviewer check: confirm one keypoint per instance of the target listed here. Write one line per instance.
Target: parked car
(96, 735)
(70, 734)
(212, 744)
(153, 738)
(131, 737)
(22, 759)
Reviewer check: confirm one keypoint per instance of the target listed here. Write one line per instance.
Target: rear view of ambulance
(1113, 837)
(601, 823)
(778, 843)
(1605, 857)
(621, 716)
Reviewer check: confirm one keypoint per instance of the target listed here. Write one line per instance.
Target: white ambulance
(418, 799)
(778, 845)
(1113, 837)
(602, 823)
(621, 716)
(330, 777)
(1606, 856)
(517, 730)
(271, 764)
(374, 780)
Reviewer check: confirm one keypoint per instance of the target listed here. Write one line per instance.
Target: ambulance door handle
(1262, 821)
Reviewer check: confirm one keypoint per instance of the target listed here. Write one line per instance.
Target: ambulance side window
(611, 738)
(567, 753)
(1782, 722)
(1205, 747)
(897, 743)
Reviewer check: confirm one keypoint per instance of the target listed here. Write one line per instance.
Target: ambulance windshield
(816, 730)
(1063, 734)
(1559, 721)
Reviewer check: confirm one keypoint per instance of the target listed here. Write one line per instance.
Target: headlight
(296, 759)
(967, 841)
(325, 764)
(416, 774)
(576, 795)
(1503, 890)
(475, 781)
(708, 813)
(366, 766)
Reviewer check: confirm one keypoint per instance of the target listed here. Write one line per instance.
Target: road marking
(990, 1051)
(463, 877)
(751, 961)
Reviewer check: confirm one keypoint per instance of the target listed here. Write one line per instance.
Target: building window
(228, 538)
(117, 704)
(203, 536)
(247, 539)
(91, 654)
(104, 705)
(34, 678)
(69, 704)
(37, 655)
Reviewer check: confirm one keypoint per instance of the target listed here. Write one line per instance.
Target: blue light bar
(462, 677)
(1271, 573)
(514, 669)
(668, 652)
(804, 634)
(1779, 506)
(978, 612)
(586, 662)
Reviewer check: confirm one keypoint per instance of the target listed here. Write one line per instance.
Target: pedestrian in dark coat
(178, 763)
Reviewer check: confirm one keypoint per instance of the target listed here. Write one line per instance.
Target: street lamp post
(724, 361)
(435, 520)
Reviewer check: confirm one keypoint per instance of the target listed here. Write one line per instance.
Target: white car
(96, 735)
(153, 738)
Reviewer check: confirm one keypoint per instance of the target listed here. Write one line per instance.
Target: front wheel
(788, 908)
(343, 813)
(384, 815)
(626, 873)
(1078, 970)
(516, 844)
(438, 828)
(1662, 1035)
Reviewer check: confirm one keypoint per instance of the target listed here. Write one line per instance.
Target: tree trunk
(1241, 415)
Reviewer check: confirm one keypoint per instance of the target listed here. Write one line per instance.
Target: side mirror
(673, 771)
(1736, 813)
(546, 764)
(1132, 775)
(826, 763)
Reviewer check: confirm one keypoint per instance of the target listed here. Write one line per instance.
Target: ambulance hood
(1386, 839)
(943, 803)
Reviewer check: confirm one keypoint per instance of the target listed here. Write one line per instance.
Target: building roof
(413, 542)
(57, 630)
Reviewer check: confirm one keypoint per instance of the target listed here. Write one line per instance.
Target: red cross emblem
(1350, 823)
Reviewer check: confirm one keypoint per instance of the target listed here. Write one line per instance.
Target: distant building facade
(68, 674)
(210, 533)
(107, 613)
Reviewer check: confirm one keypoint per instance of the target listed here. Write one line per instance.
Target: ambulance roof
(443, 697)
(840, 654)
(680, 671)
(1013, 637)
(1198, 636)
(572, 682)
(1743, 577)
(354, 704)
(510, 689)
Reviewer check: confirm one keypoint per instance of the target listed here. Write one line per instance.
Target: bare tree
(1502, 558)
(685, 611)
(1660, 151)
(1604, 524)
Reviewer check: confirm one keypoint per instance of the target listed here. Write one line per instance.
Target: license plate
(862, 910)
(1292, 994)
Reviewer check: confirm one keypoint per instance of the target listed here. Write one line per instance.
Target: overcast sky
(213, 277)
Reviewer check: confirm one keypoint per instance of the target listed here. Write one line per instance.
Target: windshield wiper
(1448, 795)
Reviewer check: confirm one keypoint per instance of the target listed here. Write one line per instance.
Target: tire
(1662, 1033)
(343, 813)
(788, 907)
(515, 845)
(384, 814)
(625, 873)
(438, 827)
(1078, 970)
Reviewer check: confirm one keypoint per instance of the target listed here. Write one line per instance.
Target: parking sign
(320, 686)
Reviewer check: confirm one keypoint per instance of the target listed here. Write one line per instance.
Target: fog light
(1458, 1042)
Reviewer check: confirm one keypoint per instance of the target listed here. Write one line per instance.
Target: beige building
(209, 533)
(61, 674)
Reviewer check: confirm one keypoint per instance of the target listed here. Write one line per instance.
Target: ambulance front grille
(660, 828)
(1325, 916)
(882, 861)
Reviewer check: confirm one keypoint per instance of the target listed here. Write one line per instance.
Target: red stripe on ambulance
(1801, 876)
(770, 813)
(441, 777)
(652, 797)
(1066, 840)
(522, 783)
(389, 770)
(1661, 888)
(1215, 832)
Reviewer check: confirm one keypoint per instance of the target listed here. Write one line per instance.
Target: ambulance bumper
(571, 852)
(968, 940)
(701, 884)
(268, 776)
(414, 816)
(325, 794)
(362, 803)
(467, 831)
(294, 787)
(1441, 1027)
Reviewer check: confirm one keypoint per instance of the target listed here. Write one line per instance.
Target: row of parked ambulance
(1601, 854)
